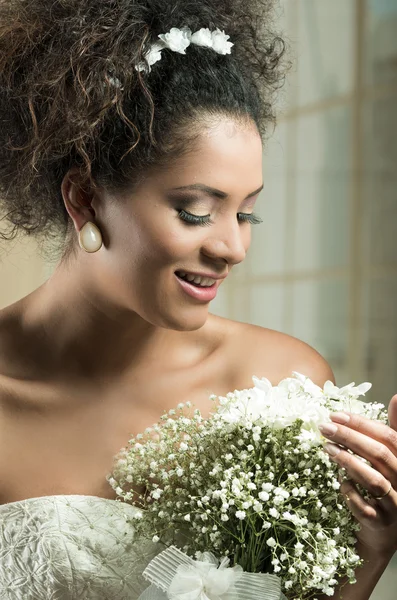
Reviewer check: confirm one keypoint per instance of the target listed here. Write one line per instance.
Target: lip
(201, 274)
(204, 294)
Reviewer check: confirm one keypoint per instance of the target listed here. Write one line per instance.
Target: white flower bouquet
(251, 484)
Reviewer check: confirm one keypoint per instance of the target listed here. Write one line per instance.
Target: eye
(249, 218)
(194, 219)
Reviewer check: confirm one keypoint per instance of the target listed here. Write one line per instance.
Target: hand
(377, 443)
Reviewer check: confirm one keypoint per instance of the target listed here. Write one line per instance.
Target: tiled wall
(323, 266)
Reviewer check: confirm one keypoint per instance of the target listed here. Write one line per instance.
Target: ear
(78, 199)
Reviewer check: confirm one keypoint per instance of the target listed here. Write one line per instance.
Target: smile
(196, 280)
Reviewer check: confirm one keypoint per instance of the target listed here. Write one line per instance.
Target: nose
(228, 244)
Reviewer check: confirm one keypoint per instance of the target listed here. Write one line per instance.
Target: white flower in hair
(177, 39)
(220, 42)
(115, 82)
(151, 57)
(203, 37)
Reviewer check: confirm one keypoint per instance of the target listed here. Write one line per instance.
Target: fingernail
(328, 428)
(340, 417)
(332, 449)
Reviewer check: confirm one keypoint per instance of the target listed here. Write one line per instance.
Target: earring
(90, 237)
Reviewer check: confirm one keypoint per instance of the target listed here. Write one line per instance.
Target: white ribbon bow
(175, 576)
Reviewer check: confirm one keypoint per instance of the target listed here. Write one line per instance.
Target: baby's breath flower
(255, 467)
(264, 496)
(271, 542)
(283, 556)
(267, 487)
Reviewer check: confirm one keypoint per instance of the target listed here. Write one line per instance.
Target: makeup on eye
(192, 219)
(203, 220)
(187, 207)
(251, 218)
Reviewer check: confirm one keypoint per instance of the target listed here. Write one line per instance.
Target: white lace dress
(70, 547)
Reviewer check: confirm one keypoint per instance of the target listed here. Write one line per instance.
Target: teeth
(196, 279)
(207, 281)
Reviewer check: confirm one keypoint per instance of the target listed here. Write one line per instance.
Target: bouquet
(251, 485)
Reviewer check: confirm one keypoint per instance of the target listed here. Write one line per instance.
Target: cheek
(161, 242)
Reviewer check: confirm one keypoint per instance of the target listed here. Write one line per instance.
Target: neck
(68, 327)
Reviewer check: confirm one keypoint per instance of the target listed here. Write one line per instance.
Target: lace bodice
(70, 548)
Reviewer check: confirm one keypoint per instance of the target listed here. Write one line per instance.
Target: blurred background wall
(323, 265)
(22, 269)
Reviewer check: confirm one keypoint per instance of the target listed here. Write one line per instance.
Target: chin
(188, 320)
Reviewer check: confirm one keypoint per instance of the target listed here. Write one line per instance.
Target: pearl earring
(90, 237)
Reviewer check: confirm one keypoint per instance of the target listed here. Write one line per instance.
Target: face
(170, 244)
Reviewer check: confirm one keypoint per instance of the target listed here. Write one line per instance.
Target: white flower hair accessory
(178, 40)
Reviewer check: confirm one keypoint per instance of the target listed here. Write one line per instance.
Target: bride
(143, 154)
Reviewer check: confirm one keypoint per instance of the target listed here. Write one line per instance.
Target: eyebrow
(212, 191)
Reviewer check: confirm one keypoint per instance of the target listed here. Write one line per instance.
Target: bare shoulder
(254, 350)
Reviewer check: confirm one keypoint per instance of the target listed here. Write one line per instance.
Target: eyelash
(191, 219)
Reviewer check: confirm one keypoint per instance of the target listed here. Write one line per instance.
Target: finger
(364, 512)
(393, 412)
(373, 429)
(371, 480)
(375, 452)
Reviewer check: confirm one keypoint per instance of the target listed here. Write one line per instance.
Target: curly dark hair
(70, 95)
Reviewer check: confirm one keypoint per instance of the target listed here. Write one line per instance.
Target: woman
(144, 154)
